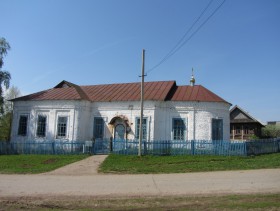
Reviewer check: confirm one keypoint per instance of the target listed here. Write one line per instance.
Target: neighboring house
(242, 125)
(273, 123)
(71, 112)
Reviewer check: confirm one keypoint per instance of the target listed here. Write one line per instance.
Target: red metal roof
(68, 93)
(158, 91)
(195, 93)
(128, 91)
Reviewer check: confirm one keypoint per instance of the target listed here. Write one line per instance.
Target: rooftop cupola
(192, 81)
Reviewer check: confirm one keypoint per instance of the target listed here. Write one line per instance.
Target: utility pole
(142, 104)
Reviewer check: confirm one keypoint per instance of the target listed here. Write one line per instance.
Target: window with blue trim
(217, 129)
(144, 128)
(178, 129)
(22, 126)
(62, 126)
(98, 127)
(41, 126)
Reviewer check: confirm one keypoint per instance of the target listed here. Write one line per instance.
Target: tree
(5, 126)
(271, 131)
(5, 76)
(11, 93)
(6, 117)
(4, 47)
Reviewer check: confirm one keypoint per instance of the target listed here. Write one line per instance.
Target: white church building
(78, 113)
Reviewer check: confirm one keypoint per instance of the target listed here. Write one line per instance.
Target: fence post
(275, 145)
(111, 144)
(93, 147)
(53, 147)
(145, 147)
(245, 148)
(192, 147)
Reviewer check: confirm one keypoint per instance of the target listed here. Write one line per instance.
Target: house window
(41, 126)
(22, 126)
(98, 127)
(251, 130)
(178, 129)
(61, 126)
(246, 130)
(238, 130)
(144, 128)
(217, 129)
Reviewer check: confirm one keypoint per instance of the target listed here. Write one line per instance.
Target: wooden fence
(193, 147)
(156, 147)
(46, 147)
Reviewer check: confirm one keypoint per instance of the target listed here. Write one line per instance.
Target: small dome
(192, 81)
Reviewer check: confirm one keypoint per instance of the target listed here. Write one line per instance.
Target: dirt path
(86, 167)
(98, 185)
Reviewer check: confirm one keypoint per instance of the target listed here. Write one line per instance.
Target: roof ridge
(245, 112)
(126, 83)
(79, 90)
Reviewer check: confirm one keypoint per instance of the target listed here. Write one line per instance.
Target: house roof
(157, 91)
(129, 91)
(195, 93)
(238, 115)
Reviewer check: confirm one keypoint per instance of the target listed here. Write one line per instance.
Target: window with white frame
(98, 128)
(41, 126)
(144, 128)
(61, 127)
(178, 129)
(22, 125)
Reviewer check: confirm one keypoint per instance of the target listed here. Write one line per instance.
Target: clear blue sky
(236, 54)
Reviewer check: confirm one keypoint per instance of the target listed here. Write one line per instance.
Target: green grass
(182, 164)
(262, 202)
(33, 164)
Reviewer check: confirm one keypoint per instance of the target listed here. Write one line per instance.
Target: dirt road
(228, 182)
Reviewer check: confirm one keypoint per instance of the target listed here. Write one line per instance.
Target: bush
(271, 131)
(253, 137)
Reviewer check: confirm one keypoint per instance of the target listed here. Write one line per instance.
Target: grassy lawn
(128, 164)
(228, 202)
(181, 164)
(33, 164)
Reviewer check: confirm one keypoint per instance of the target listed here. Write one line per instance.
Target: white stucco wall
(50, 109)
(198, 117)
(129, 110)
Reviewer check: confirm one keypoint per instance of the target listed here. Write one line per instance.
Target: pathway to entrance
(88, 166)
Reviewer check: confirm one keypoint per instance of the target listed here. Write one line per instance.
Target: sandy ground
(82, 179)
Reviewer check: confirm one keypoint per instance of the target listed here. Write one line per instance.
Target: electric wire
(178, 46)
(181, 40)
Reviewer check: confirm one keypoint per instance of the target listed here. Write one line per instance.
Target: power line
(178, 46)
(181, 40)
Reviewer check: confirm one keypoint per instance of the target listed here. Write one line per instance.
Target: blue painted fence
(156, 147)
(46, 147)
(194, 147)
(264, 146)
